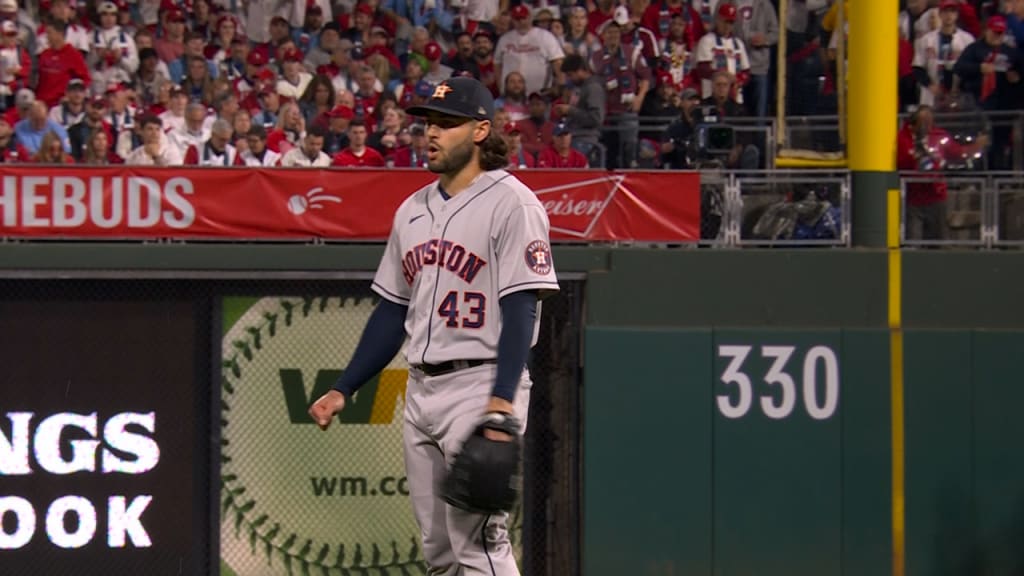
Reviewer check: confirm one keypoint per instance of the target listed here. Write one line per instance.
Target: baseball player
(466, 264)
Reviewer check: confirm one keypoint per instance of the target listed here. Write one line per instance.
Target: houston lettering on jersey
(443, 254)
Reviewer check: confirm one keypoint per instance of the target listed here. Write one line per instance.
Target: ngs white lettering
(70, 202)
(46, 444)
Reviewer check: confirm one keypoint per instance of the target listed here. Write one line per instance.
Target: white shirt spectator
(270, 158)
(171, 121)
(925, 23)
(66, 118)
(297, 158)
(293, 91)
(75, 35)
(183, 138)
(258, 15)
(724, 54)
(936, 57)
(530, 54)
(168, 156)
(206, 155)
(104, 73)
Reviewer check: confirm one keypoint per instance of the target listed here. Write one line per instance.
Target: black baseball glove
(485, 476)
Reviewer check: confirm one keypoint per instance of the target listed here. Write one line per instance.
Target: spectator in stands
(990, 71)
(336, 136)
(309, 153)
(517, 156)
(678, 138)
(23, 100)
(923, 147)
(936, 53)
(219, 49)
(676, 55)
(533, 52)
(182, 66)
(257, 153)
(294, 78)
(537, 128)
(11, 151)
(170, 46)
(707, 9)
(241, 124)
(661, 15)
(917, 19)
(367, 96)
(483, 48)
(721, 50)
(290, 129)
(758, 28)
(120, 111)
(598, 14)
(578, 40)
(197, 82)
(193, 133)
(318, 99)
(720, 107)
(174, 117)
(500, 120)
(391, 136)
(97, 150)
(560, 153)
(662, 102)
(635, 34)
(217, 150)
(270, 109)
(306, 34)
(202, 18)
(51, 151)
(436, 72)
(464, 60)
(71, 110)
(256, 75)
(415, 154)
(1015, 23)
(328, 41)
(513, 97)
(362, 21)
(233, 67)
(58, 65)
(150, 80)
(542, 18)
(78, 134)
(76, 35)
(583, 108)
(406, 90)
(32, 129)
(358, 153)
(15, 64)
(113, 57)
(626, 78)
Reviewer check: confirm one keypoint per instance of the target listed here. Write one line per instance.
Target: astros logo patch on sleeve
(538, 257)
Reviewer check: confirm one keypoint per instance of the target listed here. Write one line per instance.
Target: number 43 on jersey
(463, 309)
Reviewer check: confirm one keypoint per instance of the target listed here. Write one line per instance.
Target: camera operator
(923, 147)
(676, 152)
(719, 108)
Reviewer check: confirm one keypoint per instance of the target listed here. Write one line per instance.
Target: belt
(450, 366)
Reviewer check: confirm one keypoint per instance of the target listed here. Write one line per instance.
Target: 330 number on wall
(777, 389)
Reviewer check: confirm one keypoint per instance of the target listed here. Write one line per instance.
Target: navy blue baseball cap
(462, 96)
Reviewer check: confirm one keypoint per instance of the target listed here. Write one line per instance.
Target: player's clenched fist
(323, 410)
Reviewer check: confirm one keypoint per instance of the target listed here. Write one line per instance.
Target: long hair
(493, 151)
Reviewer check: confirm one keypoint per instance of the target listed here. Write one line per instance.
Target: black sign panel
(98, 438)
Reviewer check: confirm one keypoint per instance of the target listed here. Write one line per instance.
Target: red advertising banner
(269, 204)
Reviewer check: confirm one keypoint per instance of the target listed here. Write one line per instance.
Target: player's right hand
(323, 410)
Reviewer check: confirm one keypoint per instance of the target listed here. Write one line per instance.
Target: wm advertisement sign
(296, 500)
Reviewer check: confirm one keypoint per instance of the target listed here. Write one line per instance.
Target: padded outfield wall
(736, 405)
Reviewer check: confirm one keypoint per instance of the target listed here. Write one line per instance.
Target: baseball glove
(485, 476)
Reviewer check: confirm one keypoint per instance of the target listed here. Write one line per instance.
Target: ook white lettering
(70, 202)
(566, 206)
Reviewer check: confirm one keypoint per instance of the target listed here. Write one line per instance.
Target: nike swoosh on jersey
(415, 218)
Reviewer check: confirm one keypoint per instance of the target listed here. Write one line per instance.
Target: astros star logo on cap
(441, 91)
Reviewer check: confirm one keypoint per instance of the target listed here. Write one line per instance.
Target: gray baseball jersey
(451, 261)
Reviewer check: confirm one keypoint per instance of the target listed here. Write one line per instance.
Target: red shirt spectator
(358, 153)
(58, 64)
(536, 129)
(658, 17)
(923, 147)
(517, 156)
(603, 12)
(561, 154)
(14, 77)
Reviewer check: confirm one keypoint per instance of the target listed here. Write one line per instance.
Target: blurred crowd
(578, 83)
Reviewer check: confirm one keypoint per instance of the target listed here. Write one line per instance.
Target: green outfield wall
(737, 405)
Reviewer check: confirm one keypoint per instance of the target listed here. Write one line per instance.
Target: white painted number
(779, 400)
(825, 410)
(776, 375)
(732, 375)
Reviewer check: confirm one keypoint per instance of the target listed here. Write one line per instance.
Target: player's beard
(453, 160)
